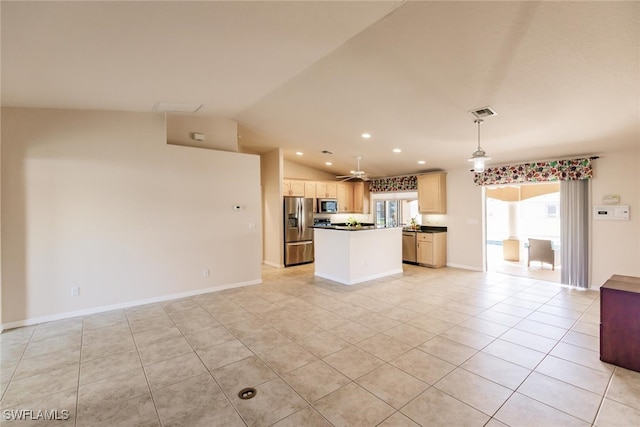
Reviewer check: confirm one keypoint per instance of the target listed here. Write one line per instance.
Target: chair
(541, 250)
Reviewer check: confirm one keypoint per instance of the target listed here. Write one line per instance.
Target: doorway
(514, 215)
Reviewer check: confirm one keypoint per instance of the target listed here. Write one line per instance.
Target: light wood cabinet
(353, 197)
(326, 190)
(361, 197)
(345, 197)
(432, 193)
(291, 187)
(310, 191)
(432, 249)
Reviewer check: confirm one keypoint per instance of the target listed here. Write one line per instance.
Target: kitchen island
(351, 255)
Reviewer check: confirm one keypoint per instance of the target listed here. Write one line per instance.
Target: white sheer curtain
(574, 235)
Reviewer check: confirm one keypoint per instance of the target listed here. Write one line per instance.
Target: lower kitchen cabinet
(432, 249)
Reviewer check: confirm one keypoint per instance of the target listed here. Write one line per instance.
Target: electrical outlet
(205, 273)
(75, 292)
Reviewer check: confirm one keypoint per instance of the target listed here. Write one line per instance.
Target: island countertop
(428, 229)
(351, 227)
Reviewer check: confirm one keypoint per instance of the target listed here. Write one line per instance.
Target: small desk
(620, 322)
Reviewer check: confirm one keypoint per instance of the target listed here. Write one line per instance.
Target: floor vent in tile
(247, 393)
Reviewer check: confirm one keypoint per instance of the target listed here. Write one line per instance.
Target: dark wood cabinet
(620, 322)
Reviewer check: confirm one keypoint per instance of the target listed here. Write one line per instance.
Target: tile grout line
(13, 374)
(77, 414)
(207, 368)
(155, 407)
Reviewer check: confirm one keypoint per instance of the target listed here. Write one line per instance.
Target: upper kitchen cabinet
(432, 193)
(310, 192)
(292, 187)
(310, 189)
(345, 197)
(326, 190)
(361, 197)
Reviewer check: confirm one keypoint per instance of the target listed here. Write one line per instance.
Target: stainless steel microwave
(327, 206)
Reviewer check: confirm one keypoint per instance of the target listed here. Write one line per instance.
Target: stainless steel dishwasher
(409, 246)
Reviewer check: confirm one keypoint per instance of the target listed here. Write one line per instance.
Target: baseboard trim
(272, 264)
(465, 267)
(363, 279)
(102, 309)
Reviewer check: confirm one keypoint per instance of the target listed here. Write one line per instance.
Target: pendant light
(479, 156)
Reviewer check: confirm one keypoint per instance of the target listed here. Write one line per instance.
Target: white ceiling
(313, 75)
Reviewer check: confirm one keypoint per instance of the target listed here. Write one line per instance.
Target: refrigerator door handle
(301, 217)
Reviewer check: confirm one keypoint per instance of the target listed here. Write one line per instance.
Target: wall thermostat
(611, 212)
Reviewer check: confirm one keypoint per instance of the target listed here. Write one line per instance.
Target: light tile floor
(537, 270)
(428, 347)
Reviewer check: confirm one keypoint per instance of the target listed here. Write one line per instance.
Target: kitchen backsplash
(430, 219)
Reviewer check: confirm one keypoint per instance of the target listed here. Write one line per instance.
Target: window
(395, 212)
(388, 212)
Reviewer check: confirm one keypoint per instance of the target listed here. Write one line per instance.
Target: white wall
(615, 245)
(272, 208)
(465, 212)
(219, 133)
(293, 170)
(98, 200)
(1, 327)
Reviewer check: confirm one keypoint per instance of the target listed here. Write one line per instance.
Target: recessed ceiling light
(397, 150)
(328, 163)
(298, 153)
(421, 162)
(366, 135)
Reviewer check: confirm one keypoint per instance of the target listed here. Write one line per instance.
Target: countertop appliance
(298, 234)
(327, 206)
(409, 246)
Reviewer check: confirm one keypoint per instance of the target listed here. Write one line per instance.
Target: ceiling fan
(356, 174)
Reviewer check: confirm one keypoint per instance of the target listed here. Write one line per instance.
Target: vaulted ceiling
(309, 76)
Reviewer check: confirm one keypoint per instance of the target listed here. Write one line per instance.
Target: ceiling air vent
(169, 107)
(483, 112)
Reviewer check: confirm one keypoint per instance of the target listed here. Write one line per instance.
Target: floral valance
(556, 170)
(393, 184)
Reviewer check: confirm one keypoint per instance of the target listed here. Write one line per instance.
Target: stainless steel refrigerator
(298, 234)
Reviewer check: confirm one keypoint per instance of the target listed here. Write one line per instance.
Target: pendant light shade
(479, 156)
